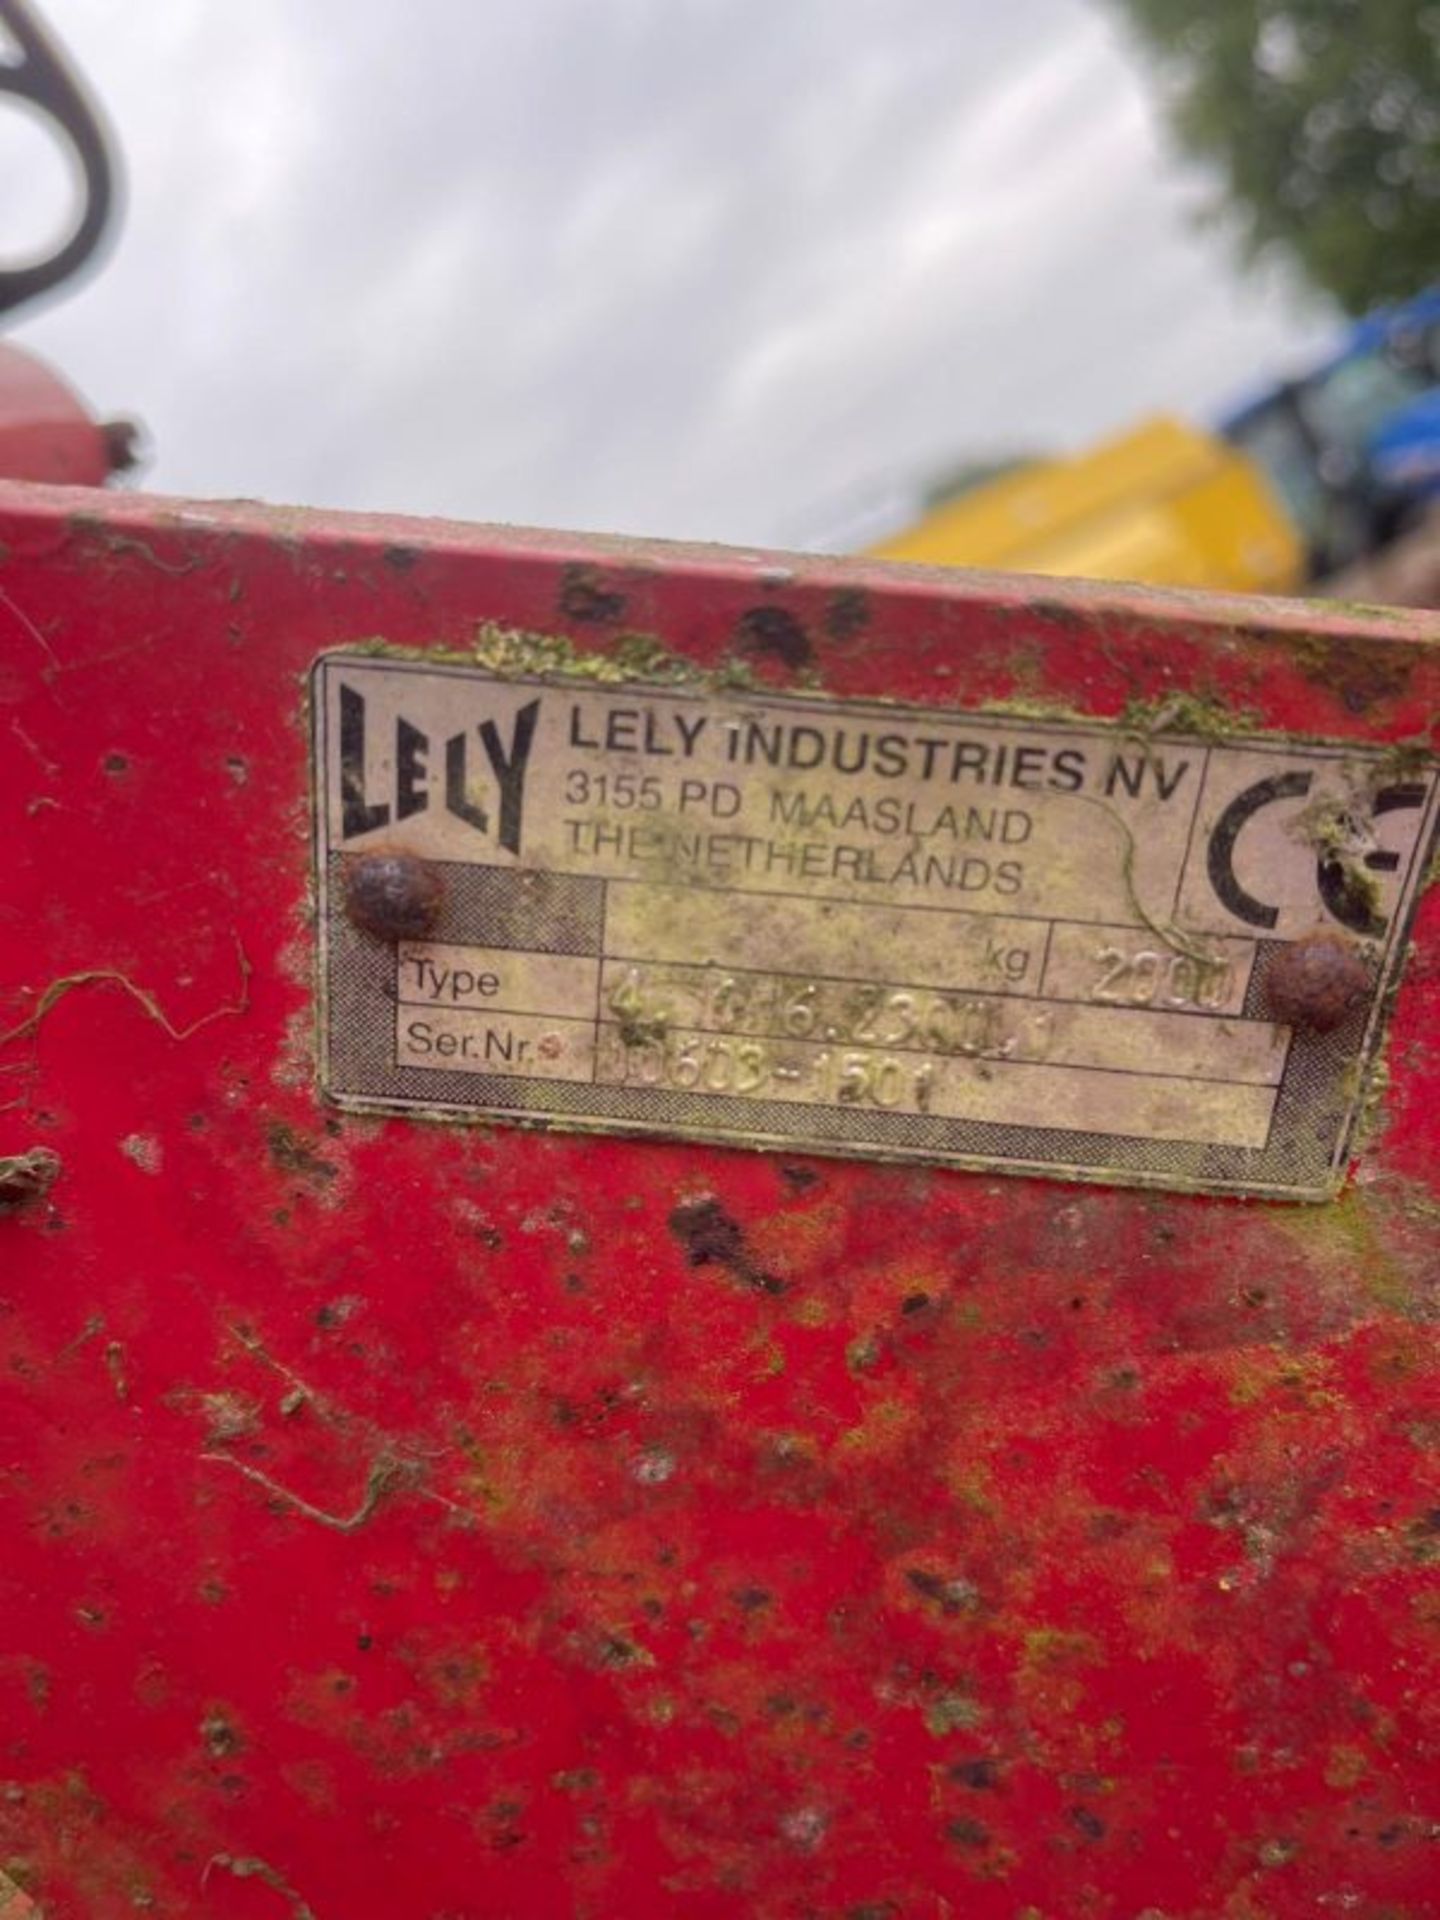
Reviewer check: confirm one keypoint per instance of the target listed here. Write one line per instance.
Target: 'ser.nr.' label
(856, 928)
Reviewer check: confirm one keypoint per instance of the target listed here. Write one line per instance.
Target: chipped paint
(587, 1527)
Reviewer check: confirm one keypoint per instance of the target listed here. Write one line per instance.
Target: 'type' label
(860, 929)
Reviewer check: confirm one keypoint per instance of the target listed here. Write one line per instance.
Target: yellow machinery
(1165, 503)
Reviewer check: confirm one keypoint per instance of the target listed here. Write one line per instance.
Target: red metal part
(413, 1520)
(45, 433)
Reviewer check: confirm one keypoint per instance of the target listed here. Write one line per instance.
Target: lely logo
(1342, 871)
(419, 781)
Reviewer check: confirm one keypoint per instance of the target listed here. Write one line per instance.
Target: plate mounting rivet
(395, 896)
(1316, 982)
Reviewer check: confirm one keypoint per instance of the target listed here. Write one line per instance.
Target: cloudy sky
(728, 269)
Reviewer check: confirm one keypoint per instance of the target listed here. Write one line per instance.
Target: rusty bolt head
(395, 896)
(1315, 982)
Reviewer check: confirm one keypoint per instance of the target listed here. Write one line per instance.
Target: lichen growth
(953, 1713)
(630, 656)
(1405, 760)
(1196, 715)
(520, 653)
(1368, 1085)
(1370, 610)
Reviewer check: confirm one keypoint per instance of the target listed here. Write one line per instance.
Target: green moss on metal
(518, 653)
(630, 656)
(1370, 610)
(1407, 759)
(1195, 715)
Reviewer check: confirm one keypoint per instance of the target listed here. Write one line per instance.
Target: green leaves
(1320, 122)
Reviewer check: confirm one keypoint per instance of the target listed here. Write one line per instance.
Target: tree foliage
(1322, 120)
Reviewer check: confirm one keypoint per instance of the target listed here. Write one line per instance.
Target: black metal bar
(41, 77)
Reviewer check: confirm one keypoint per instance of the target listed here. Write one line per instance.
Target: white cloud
(695, 267)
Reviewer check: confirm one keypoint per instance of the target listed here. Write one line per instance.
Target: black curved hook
(41, 77)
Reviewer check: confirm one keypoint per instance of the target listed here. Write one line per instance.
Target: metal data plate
(864, 929)
(453, 1520)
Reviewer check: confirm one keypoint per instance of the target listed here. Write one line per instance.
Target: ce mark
(1344, 893)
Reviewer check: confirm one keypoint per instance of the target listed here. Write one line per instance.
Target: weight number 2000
(1151, 978)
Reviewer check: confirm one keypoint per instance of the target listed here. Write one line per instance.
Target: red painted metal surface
(413, 1520)
(45, 433)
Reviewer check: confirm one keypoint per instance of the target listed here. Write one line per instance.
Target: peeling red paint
(550, 1526)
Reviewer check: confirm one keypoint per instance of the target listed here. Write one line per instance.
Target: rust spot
(949, 1597)
(219, 1735)
(1058, 612)
(394, 896)
(1364, 677)
(585, 598)
(402, 559)
(710, 1236)
(616, 1652)
(1088, 1823)
(753, 1599)
(773, 631)
(293, 1154)
(848, 613)
(983, 1776)
(26, 1178)
(1315, 983)
(576, 1780)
